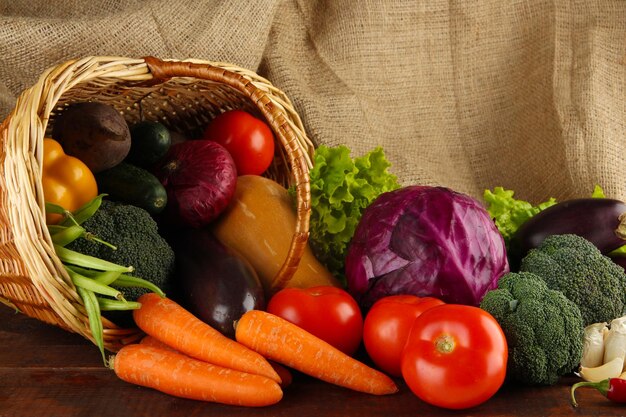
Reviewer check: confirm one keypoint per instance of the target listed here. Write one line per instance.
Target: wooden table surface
(46, 371)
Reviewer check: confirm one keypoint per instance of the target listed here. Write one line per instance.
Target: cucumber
(131, 184)
(150, 141)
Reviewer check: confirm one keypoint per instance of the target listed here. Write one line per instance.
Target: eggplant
(602, 221)
(215, 283)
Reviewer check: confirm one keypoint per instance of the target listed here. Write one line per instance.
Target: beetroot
(200, 179)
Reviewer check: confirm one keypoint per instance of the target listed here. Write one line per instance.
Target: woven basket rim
(22, 222)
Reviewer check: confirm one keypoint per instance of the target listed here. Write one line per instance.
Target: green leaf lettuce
(341, 189)
(509, 213)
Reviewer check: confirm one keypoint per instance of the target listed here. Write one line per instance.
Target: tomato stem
(445, 344)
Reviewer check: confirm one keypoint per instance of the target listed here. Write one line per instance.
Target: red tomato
(387, 326)
(249, 140)
(455, 357)
(327, 312)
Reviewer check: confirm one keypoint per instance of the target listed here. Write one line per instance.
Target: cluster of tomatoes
(449, 355)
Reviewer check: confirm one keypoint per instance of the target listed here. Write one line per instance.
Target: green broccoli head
(573, 265)
(135, 234)
(543, 329)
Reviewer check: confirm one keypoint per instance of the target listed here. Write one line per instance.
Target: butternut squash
(259, 224)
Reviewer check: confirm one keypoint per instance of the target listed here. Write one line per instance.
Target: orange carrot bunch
(185, 357)
(173, 325)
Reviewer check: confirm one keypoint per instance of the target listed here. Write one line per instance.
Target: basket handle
(164, 70)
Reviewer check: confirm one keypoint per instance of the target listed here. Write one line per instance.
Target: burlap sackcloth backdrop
(525, 94)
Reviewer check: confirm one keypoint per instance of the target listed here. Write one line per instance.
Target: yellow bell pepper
(66, 180)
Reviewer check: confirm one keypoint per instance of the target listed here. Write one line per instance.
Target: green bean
(91, 273)
(93, 286)
(94, 238)
(55, 228)
(75, 258)
(128, 281)
(107, 277)
(68, 218)
(95, 322)
(123, 281)
(67, 235)
(56, 209)
(106, 304)
(85, 212)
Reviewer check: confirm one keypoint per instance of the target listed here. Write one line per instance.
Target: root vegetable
(284, 373)
(95, 133)
(179, 375)
(284, 342)
(170, 323)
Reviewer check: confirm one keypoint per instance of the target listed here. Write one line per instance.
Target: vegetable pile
(184, 238)
(576, 248)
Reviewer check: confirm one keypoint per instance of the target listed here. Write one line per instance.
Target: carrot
(170, 323)
(284, 342)
(285, 375)
(156, 343)
(283, 372)
(181, 376)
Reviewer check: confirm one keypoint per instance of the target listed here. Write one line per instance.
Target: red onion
(200, 179)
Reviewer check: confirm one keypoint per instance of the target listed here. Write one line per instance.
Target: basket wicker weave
(181, 94)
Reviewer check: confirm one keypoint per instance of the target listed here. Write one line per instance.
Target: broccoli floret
(573, 265)
(135, 234)
(543, 329)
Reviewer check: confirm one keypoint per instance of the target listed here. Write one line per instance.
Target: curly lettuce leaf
(509, 213)
(598, 192)
(341, 189)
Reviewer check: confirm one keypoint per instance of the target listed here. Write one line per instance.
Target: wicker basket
(184, 94)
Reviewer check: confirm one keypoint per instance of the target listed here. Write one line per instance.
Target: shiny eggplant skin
(598, 220)
(215, 283)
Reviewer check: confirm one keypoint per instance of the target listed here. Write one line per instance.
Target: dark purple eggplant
(602, 221)
(215, 283)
